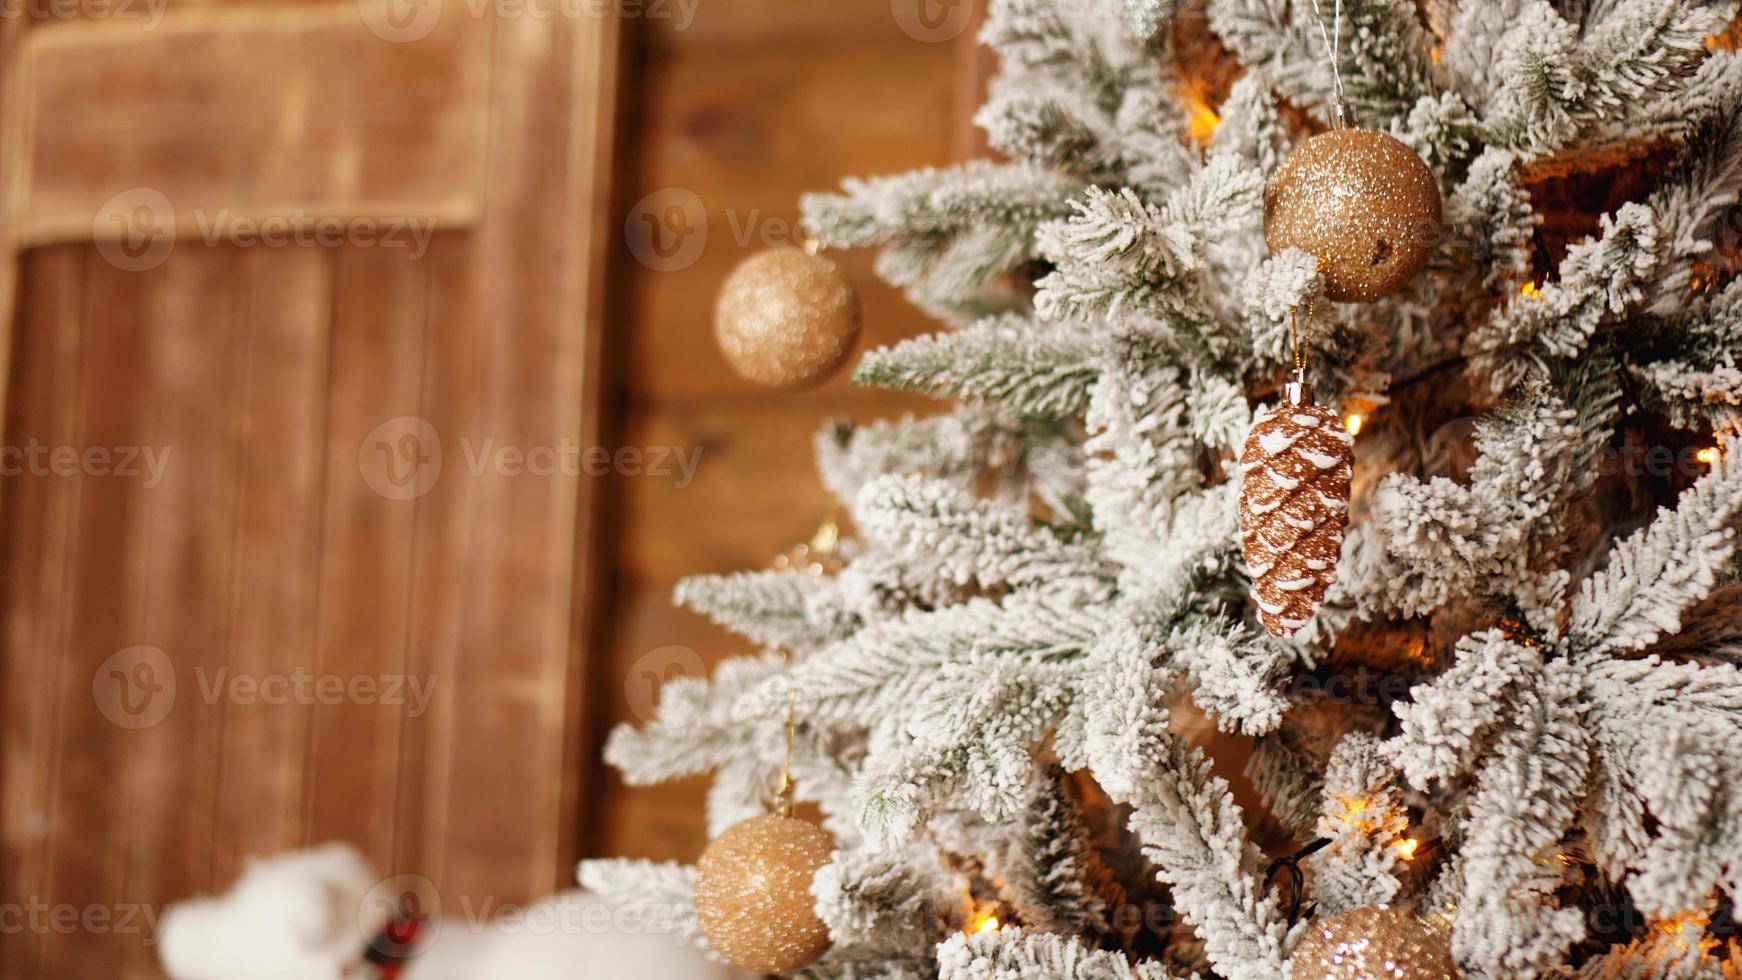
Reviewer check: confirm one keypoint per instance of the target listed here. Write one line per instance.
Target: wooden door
(282, 281)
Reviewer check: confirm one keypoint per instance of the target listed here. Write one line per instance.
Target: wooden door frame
(582, 56)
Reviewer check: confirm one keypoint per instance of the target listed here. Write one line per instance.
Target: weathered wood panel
(290, 539)
(229, 115)
(286, 334)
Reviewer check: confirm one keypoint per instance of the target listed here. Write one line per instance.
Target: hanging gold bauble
(786, 318)
(753, 894)
(1360, 201)
(1378, 942)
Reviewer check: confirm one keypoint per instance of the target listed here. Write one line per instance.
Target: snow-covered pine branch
(1026, 366)
(885, 668)
(969, 740)
(1119, 255)
(1441, 541)
(955, 447)
(772, 608)
(1278, 38)
(693, 729)
(943, 532)
(1509, 924)
(1192, 831)
(1656, 574)
(1599, 281)
(1363, 818)
(663, 894)
(893, 902)
(1013, 954)
(1056, 880)
(1553, 81)
(947, 234)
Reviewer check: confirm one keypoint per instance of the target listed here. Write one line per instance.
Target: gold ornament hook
(783, 795)
(1298, 391)
(828, 536)
(823, 545)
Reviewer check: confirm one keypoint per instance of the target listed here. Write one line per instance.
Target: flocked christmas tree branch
(1005, 692)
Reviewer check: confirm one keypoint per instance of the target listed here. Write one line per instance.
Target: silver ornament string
(1333, 38)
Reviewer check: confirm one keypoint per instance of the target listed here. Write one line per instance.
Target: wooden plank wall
(756, 103)
(274, 545)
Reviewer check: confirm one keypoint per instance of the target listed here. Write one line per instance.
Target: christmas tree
(1505, 740)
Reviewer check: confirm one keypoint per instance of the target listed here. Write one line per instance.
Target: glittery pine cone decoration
(1373, 943)
(753, 894)
(1360, 201)
(1294, 504)
(786, 318)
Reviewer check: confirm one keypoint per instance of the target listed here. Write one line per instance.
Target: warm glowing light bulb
(1353, 423)
(1531, 290)
(1204, 122)
(1708, 455)
(986, 923)
(1406, 848)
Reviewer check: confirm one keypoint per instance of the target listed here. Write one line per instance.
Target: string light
(1201, 118)
(1680, 927)
(984, 922)
(1708, 455)
(1417, 651)
(1406, 848)
(1353, 422)
(1530, 290)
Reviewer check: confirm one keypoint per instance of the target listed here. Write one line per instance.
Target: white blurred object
(308, 915)
(293, 917)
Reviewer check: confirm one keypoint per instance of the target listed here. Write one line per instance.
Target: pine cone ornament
(1294, 504)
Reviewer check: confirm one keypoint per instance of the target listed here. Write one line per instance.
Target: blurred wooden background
(758, 102)
(290, 533)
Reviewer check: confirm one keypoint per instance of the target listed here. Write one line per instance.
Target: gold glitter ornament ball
(1378, 942)
(753, 894)
(1363, 203)
(786, 318)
